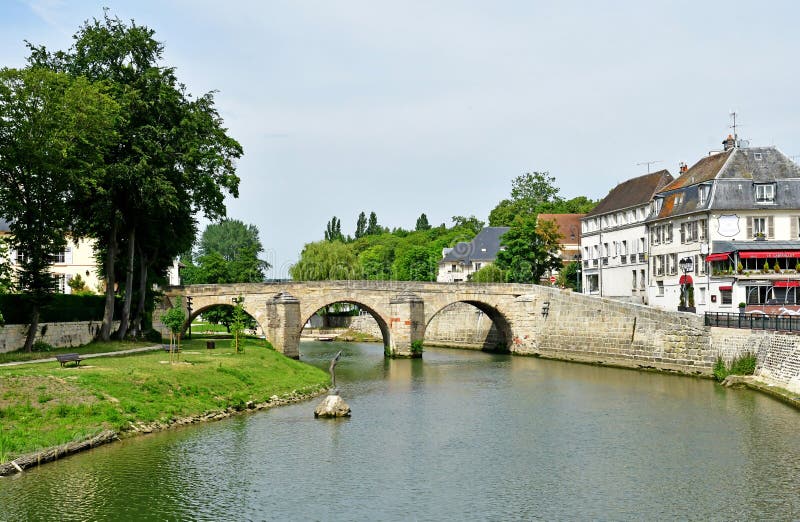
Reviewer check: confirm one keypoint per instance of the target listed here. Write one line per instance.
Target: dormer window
(765, 193)
(702, 194)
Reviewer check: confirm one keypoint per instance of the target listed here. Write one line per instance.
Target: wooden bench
(69, 357)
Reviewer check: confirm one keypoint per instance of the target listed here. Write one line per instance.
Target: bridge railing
(754, 321)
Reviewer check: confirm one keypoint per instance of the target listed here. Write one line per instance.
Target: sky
(415, 106)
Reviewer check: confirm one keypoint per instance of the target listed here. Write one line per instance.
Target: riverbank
(44, 407)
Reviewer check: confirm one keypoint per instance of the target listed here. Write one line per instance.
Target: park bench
(69, 357)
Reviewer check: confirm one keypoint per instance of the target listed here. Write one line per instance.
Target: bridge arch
(499, 321)
(198, 312)
(309, 309)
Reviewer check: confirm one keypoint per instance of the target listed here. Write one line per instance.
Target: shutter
(771, 227)
(749, 227)
(68, 255)
(793, 227)
(683, 233)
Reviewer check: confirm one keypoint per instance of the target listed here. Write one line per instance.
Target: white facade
(614, 253)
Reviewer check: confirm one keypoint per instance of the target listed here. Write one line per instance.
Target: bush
(41, 346)
(416, 347)
(153, 336)
(61, 308)
(742, 365)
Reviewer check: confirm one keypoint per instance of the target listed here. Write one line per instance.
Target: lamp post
(687, 265)
(578, 272)
(189, 314)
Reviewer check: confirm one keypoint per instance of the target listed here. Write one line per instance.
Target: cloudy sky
(410, 106)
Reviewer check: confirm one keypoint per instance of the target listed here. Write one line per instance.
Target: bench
(69, 357)
(165, 347)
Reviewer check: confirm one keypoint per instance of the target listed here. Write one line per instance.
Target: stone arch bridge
(530, 319)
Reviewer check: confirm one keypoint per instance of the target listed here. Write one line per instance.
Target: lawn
(42, 405)
(93, 347)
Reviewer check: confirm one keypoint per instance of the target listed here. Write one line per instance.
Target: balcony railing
(594, 263)
(605, 261)
(754, 321)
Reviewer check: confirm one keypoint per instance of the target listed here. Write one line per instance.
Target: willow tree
(54, 133)
(173, 157)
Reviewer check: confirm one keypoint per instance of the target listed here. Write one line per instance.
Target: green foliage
(61, 308)
(78, 286)
(228, 253)
(422, 223)
(533, 194)
(6, 279)
(568, 277)
(742, 365)
(417, 263)
(765, 268)
(416, 346)
(372, 225)
(376, 263)
(471, 223)
(42, 347)
(361, 225)
(489, 274)
(531, 250)
(326, 261)
(174, 318)
(2, 319)
(333, 230)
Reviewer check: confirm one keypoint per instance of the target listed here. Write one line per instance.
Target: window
(641, 245)
(702, 229)
(765, 193)
(702, 194)
(605, 250)
(726, 296)
(757, 156)
(593, 282)
(668, 235)
(701, 299)
(660, 285)
(477, 266)
(761, 227)
(700, 265)
(673, 264)
(59, 258)
(634, 279)
(624, 248)
(20, 257)
(641, 279)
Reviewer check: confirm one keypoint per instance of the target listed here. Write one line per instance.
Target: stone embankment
(139, 428)
(12, 336)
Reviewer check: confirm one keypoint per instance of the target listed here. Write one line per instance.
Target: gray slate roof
(633, 192)
(734, 174)
(483, 247)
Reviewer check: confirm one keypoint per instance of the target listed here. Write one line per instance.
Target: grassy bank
(43, 405)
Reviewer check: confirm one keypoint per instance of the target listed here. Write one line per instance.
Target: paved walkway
(90, 355)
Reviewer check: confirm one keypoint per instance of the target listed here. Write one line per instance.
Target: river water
(458, 435)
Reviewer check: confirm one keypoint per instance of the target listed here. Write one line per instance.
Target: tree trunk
(126, 306)
(139, 315)
(32, 328)
(111, 255)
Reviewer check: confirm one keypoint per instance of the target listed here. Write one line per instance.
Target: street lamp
(189, 313)
(577, 259)
(687, 265)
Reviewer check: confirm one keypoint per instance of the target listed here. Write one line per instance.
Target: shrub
(416, 346)
(745, 364)
(41, 346)
(765, 268)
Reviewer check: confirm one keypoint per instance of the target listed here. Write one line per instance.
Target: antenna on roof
(733, 125)
(648, 163)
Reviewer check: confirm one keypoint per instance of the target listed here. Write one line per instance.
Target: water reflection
(456, 435)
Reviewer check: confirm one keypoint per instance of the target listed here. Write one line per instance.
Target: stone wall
(778, 353)
(563, 325)
(60, 335)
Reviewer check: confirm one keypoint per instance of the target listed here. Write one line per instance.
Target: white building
(736, 215)
(614, 239)
(464, 259)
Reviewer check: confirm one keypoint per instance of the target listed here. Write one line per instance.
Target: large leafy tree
(173, 156)
(54, 132)
(228, 253)
(471, 223)
(422, 223)
(531, 249)
(418, 263)
(325, 260)
(534, 193)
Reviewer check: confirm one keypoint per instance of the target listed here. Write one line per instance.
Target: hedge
(62, 308)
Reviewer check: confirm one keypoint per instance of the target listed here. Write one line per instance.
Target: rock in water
(332, 406)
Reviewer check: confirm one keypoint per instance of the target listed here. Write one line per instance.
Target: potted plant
(776, 267)
(765, 268)
(742, 306)
(739, 267)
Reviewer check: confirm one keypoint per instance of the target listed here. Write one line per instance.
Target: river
(458, 435)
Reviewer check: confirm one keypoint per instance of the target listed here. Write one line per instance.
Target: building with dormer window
(735, 215)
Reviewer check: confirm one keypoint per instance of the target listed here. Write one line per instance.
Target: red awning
(786, 284)
(685, 280)
(718, 257)
(723, 288)
(769, 254)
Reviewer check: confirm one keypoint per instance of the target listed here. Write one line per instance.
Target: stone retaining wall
(778, 353)
(59, 335)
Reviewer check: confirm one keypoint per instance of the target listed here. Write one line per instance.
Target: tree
(422, 223)
(373, 227)
(333, 230)
(54, 131)
(172, 159)
(418, 263)
(78, 286)
(531, 250)
(533, 188)
(471, 223)
(504, 213)
(489, 274)
(6, 281)
(361, 226)
(323, 261)
(569, 276)
(376, 263)
(174, 319)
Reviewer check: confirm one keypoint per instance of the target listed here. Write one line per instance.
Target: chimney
(683, 167)
(729, 143)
